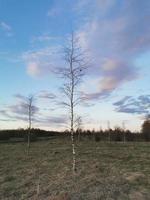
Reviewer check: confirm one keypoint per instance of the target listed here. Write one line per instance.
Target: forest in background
(116, 134)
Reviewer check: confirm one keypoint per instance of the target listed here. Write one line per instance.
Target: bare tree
(109, 131)
(124, 131)
(146, 128)
(30, 116)
(72, 74)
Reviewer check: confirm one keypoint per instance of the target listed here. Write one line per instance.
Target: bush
(146, 129)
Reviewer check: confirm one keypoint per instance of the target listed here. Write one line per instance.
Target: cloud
(102, 5)
(21, 97)
(53, 12)
(139, 105)
(22, 108)
(52, 120)
(6, 28)
(43, 38)
(116, 34)
(5, 113)
(46, 95)
(19, 111)
(33, 68)
(40, 62)
(114, 73)
(122, 101)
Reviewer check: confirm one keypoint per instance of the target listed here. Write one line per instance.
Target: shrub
(146, 129)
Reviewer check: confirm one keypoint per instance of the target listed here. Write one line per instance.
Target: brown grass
(105, 171)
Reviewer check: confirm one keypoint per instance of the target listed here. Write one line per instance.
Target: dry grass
(105, 171)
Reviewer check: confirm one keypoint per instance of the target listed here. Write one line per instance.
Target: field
(105, 171)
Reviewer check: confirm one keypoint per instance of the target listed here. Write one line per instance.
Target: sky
(116, 36)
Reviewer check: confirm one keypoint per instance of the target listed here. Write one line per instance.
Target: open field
(105, 171)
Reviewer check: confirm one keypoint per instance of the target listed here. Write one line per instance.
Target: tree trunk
(72, 129)
(30, 121)
(73, 152)
(29, 131)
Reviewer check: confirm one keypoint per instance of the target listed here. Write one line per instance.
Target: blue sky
(116, 35)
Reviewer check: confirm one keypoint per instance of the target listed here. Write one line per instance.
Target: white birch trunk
(72, 110)
(30, 122)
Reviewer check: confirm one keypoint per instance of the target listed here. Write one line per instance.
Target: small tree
(146, 128)
(109, 131)
(31, 110)
(123, 131)
(72, 75)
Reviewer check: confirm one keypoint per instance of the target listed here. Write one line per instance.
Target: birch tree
(124, 131)
(31, 110)
(109, 134)
(72, 74)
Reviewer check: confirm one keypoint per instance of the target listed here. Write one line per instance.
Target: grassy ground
(105, 171)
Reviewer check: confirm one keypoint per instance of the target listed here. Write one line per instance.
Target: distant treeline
(116, 134)
(23, 133)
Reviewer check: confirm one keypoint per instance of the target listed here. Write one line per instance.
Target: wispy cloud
(40, 62)
(115, 35)
(115, 39)
(19, 111)
(6, 28)
(53, 12)
(88, 5)
(46, 95)
(43, 38)
(129, 104)
(113, 74)
(52, 120)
